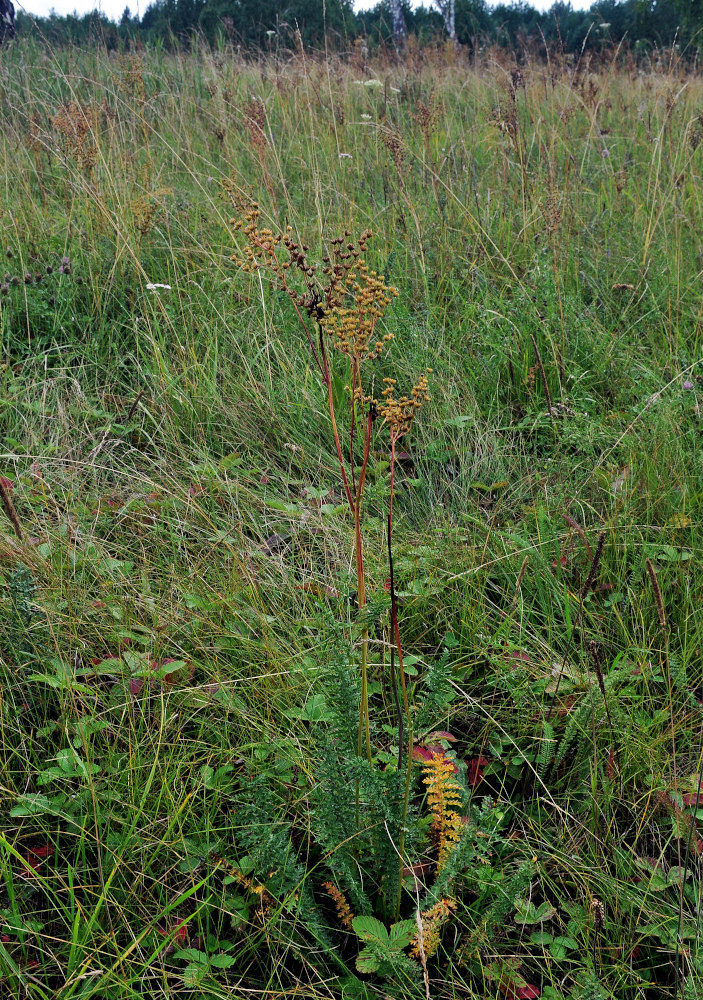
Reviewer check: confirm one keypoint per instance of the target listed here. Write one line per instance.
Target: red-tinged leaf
(6, 484)
(418, 869)
(474, 771)
(5, 938)
(518, 654)
(135, 686)
(179, 932)
(527, 992)
(35, 856)
(195, 489)
(264, 481)
(178, 676)
(441, 735)
(430, 752)
(693, 799)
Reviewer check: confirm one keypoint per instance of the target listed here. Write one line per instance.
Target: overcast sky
(113, 8)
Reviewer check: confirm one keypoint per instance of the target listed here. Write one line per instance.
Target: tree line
(277, 25)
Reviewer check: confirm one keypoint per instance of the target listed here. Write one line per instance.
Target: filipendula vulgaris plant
(369, 847)
(340, 304)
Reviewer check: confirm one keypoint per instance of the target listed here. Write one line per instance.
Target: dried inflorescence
(399, 414)
(352, 327)
(131, 80)
(344, 296)
(428, 117)
(144, 210)
(76, 124)
(8, 505)
(393, 142)
(254, 112)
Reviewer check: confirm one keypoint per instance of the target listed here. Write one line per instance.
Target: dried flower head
(76, 123)
(343, 296)
(399, 413)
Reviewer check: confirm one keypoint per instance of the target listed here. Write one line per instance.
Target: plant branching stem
(364, 726)
(327, 376)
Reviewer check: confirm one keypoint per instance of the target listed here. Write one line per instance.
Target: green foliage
(180, 641)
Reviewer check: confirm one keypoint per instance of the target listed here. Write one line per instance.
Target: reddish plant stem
(364, 725)
(394, 604)
(352, 425)
(326, 375)
(393, 678)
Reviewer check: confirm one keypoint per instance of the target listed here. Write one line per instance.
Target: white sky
(113, 8)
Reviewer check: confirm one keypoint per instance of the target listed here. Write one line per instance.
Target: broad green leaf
(222, 961)
(370, 929)
(541, 937)
(545, 912)
(31, 805)
(191, 955)
(402, 934)
(367, 961)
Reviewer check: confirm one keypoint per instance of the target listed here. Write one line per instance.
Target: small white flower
(372, 83)
(345, 156)
(366, 118)
(153, 287)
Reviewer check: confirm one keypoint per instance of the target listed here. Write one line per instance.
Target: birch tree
(446, 9)
(399, 29)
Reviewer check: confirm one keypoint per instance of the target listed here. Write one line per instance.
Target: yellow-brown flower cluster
(399, 414)
(77, 124)
(353, 326)
(342, 294)
(432, 922)
(261, 246)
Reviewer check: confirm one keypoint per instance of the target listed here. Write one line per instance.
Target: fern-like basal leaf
(444, 801)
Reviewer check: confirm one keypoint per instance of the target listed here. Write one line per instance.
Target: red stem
(394, 604)
(330, 402)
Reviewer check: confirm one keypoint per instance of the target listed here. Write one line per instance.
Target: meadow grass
(176, 552)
